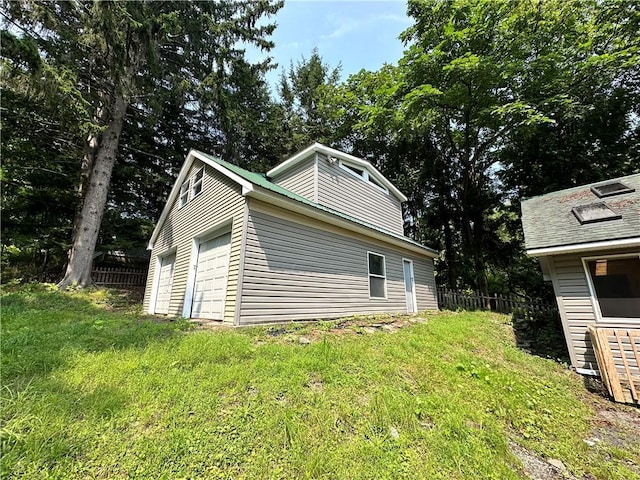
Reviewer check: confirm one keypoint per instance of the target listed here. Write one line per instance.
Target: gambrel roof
(598, 215)
(258, 186)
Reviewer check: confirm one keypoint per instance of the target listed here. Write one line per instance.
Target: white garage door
(210, 286)
(165, 281)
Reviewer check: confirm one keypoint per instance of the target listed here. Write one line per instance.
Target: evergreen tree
(100, 59)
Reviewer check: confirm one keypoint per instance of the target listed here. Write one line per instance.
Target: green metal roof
(261, 181)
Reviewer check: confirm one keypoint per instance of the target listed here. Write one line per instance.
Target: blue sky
(354, 33)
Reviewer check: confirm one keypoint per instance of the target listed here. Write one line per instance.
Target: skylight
(594, 212)
(610, 189)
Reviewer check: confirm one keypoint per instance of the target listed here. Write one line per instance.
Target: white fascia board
(584, 247)
(308, 211)
(319, 148)
(290, 162)
(191, 156)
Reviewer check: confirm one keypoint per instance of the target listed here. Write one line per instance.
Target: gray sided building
(587, 240)
(319, 236)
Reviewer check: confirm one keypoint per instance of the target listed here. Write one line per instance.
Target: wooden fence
(118, 277)
(498, 303)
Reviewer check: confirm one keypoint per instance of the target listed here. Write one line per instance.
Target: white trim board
(584, 247)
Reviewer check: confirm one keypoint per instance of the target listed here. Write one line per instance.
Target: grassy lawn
(94, 390)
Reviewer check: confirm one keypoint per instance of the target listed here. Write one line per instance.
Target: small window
(184, 194)
(377, 184)
(609, 189)
(355, 170)
(595, 212)
(197, 183)
(377, 276)
(616, 286)
(363, 174)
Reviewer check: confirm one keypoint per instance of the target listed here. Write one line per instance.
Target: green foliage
(180, 68)
(302, 90)
(39, 175)
(492, 101)
(90, 390)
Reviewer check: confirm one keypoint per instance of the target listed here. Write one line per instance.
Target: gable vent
(610, 189)
(594, 212)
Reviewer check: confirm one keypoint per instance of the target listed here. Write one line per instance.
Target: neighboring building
(321, 236)
(588, 242)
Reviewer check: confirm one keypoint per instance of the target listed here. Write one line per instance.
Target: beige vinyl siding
(297, 268)
(300, 179)
(576, 307)
(220, 201)
(342, 191)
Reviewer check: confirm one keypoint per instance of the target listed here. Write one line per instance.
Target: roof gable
(254, 183)
(557, 219)
(349, 159)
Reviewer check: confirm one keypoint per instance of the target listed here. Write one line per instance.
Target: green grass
(90, 391)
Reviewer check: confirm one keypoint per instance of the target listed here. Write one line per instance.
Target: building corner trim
(243, 249)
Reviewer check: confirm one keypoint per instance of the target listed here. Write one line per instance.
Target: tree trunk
(86, 166)
(95, 199)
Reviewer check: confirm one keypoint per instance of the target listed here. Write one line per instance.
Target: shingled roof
(558, 219)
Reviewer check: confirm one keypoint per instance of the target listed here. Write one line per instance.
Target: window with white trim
(351, 169)
(191, 188)
(363, 174)
(184, 194)
(615, 285)
(377, 276)
(197, 183)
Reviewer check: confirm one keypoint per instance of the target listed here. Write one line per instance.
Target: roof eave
(584, 247)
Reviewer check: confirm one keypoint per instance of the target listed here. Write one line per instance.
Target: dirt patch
(618, 425)
(537, 468)
(615, 423)
(350, 326)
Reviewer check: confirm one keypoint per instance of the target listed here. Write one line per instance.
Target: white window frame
(190, 184)
(592, 291)
(365, 175)
(195, 183)
(183, 198)
(384, 276)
